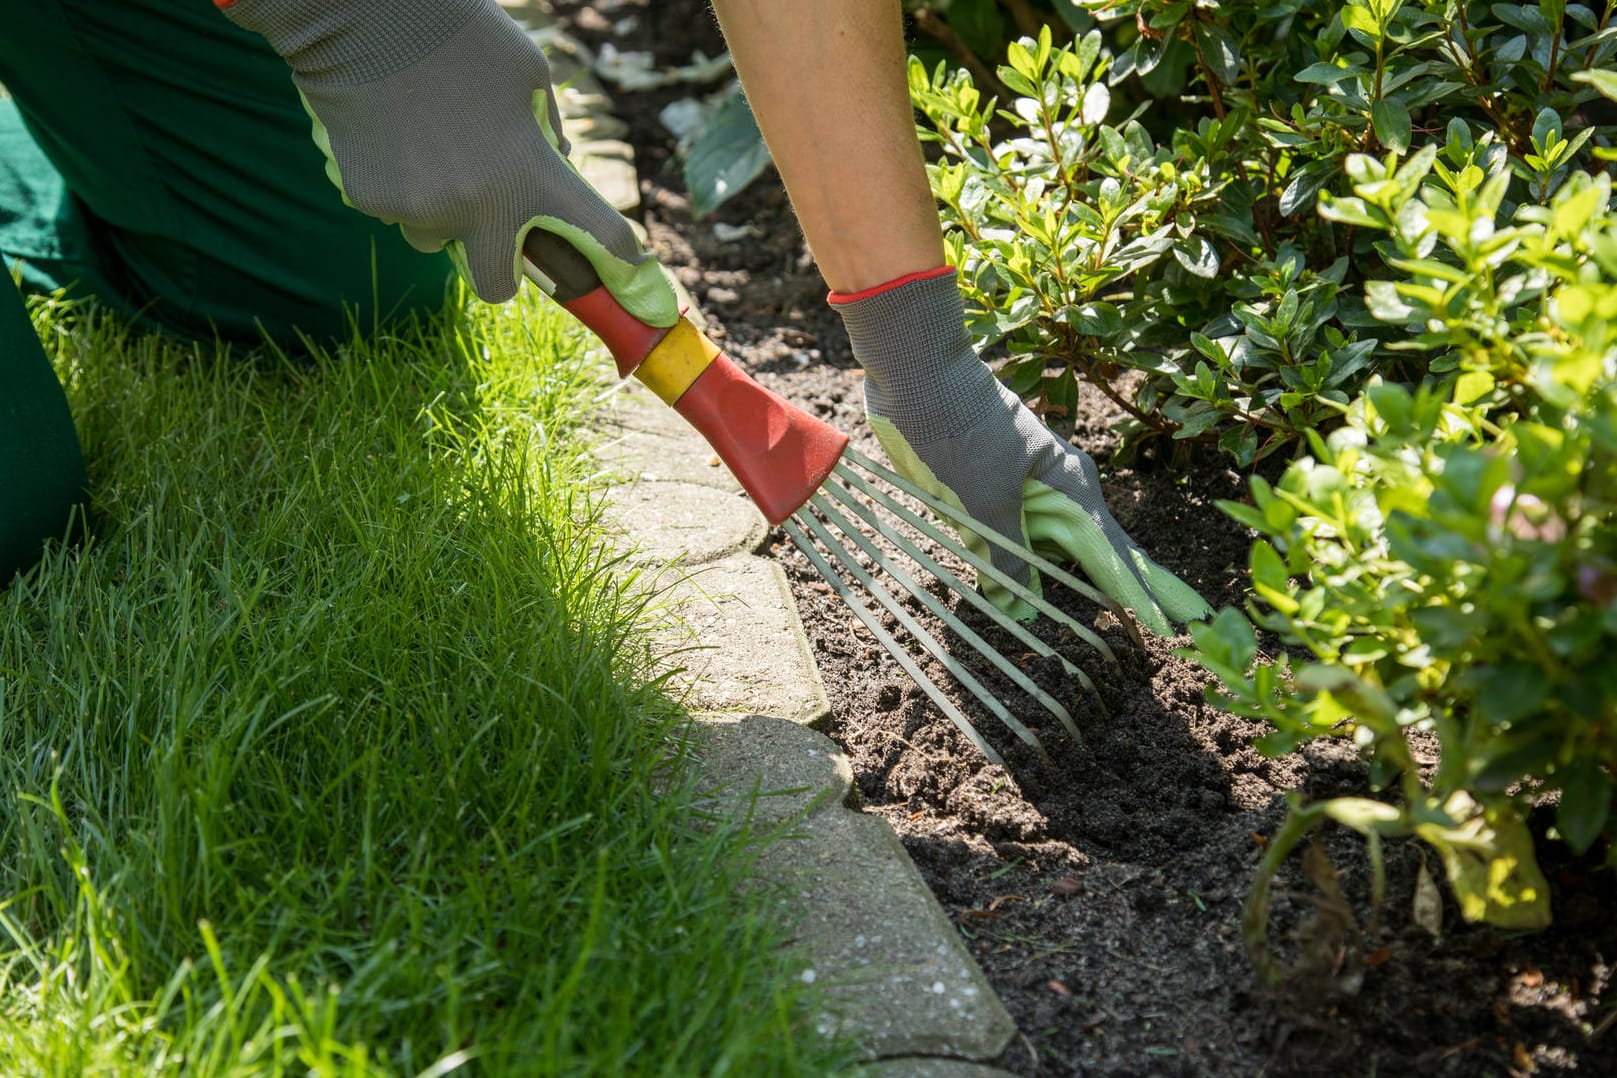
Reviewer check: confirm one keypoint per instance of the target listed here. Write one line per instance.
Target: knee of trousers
(36, 511)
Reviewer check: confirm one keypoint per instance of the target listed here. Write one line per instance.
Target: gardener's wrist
(920, 369)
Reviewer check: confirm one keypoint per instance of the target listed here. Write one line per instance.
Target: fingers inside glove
(1060, 529)
(488, 259)
(1181, 602)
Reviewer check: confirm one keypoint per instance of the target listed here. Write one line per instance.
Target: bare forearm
(826, 81)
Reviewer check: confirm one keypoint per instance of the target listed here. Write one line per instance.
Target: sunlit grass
(335, 750)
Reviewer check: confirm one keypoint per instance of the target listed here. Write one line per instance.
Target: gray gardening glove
(439, 115)
(949, 426)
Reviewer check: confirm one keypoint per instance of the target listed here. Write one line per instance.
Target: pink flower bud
(1499, 506)
(1525, 516)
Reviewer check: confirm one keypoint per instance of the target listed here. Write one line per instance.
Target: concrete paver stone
(609, 164)
(593, 126)
(930, 1067)
(684, 522)
(793, 770)
(893, 970)
(643, 438)
(748, 652)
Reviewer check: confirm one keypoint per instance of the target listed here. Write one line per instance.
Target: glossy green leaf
(1507, 692)
(1603, 81)
(1392, 124)
(1198, 256)
(1300, 191)
(1361, 24)
(1329, 74)
(1546, 127)
(727, 155)
(1219, 51)
(1586, 793)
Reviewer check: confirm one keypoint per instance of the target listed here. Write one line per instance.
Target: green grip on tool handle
(779, 453)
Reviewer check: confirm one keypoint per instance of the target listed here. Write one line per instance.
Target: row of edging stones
(893, 971)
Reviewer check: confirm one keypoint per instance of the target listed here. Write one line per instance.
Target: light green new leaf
(1603, 81)
(1348, 211)
(1362, 24)
(1490, 862)
(1364, 815)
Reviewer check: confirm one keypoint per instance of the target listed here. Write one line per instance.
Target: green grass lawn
(337, 749)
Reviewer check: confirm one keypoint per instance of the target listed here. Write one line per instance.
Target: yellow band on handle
(678, 360)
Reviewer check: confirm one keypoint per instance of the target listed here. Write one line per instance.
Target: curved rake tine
(960, 516)
(964, 519)
(906, 583)
(885, 639)
(970, 594)
(981, 564)
(924, 638)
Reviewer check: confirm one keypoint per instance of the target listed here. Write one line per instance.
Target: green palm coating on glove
(439, 115)
(948, 425)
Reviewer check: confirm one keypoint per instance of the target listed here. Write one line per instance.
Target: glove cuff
(838, 298)
(356, 41)
(920, 370)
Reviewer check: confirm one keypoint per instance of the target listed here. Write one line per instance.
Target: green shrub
(973, 33)
(1380, 239)
(1146, 201)
(1447, 558)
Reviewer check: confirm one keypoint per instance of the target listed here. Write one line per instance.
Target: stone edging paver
(895, 973)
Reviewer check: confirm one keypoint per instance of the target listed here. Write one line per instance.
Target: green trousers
(157, 158)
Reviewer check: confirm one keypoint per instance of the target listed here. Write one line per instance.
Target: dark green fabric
(41, 470)
(159, 156)
(156, 157)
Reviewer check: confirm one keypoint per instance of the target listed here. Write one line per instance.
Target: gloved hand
(439, 115)
(948, 425)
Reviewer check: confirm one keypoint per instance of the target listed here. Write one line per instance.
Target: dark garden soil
(1101, 888)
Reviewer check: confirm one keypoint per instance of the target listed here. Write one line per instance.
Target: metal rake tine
(970, 594)
(962, 518)
(885, 639)
(924, 638)
(1003, 664)
(981, 564)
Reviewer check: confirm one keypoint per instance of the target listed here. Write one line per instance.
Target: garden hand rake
(807, 480)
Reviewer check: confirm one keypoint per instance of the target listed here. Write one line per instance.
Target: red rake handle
(779, 453)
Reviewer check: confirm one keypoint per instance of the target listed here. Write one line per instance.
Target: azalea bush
(1447, 558)
(1379, 240)
(1147, 199)
(973, 33)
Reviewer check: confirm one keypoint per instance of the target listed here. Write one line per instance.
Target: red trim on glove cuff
(896, 282)
(222, 4)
